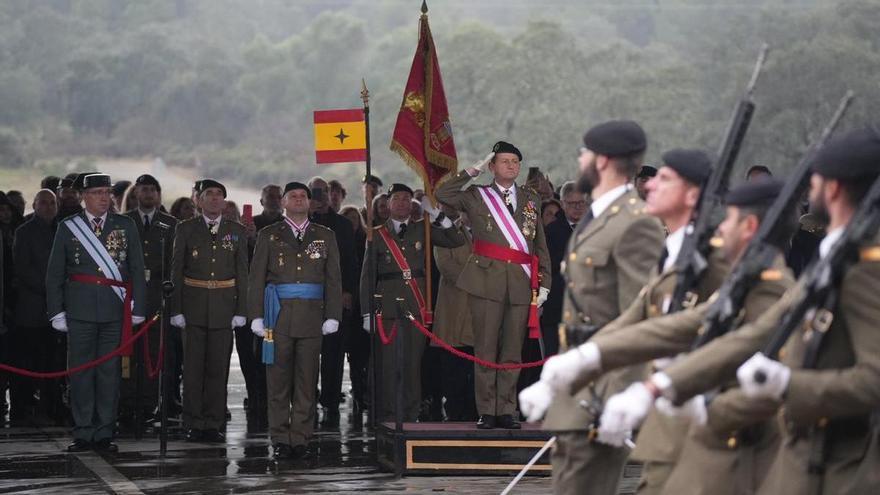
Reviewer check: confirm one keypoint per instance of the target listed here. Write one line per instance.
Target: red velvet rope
(448, 348)
(152, 373)
(123, 347)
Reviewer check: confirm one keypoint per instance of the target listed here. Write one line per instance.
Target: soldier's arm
(540, 246)
(56, 272)
(178, 258)
(257, 276)
(241, 272)
(23, 264)
(733, 410)
(634, 313)
(136, 269)
(449, 238)
(854, 390)
(636, 254)
(450, 192)
(333, 283)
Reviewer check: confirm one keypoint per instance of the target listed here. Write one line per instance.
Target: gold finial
(365, 93)
(424, 7)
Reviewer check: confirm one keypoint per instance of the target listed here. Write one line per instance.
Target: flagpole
(370, 260)
(429, 305)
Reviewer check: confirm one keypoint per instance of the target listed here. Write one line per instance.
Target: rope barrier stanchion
(452, 350)
(123, 347)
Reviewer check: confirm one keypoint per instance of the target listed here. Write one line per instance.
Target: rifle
(692, 259)
(823, 276)
(760, 252)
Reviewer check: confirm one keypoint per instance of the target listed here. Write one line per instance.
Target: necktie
(402, 232)
(212, 227)
(146, 222)
(298, 234)
(587, 218)
(508, 201)
(97, 227)
(662, 262)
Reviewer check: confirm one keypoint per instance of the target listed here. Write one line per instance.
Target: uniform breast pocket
(593, 266)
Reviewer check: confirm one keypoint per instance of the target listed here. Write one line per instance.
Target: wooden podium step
(460, 448)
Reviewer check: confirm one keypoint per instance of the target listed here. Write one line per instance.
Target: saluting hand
(477, 168)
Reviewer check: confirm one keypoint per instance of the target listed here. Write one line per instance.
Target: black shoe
(331, 418)
(507, 422)
(298, 452)
(194, 435)
(79, 445)
(213, 436)
(105, 445)
(486, 422)
(282, 451)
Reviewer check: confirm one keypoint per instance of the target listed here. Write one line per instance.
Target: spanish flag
(340, 136)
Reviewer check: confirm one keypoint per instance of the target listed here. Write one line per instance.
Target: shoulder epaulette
(869, 253)
(771, 275)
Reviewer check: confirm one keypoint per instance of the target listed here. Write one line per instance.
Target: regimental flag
(340, 136)
(423, 133)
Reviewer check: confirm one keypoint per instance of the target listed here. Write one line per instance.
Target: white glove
(59, 322)
(238, 321)
(623, 413)
(330, 326)
(693, 410)
(776, 376)
(137, 320)
(433, 212)
(366, 325)
(543, 292)
(178, 321)
(561, 370)
(258, 328)
(477, 168)
(535, 399)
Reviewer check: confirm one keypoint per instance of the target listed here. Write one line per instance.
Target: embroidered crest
(316, 249)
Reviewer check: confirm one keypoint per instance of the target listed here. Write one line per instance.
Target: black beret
(206, 184)
(853, 155)
(758, 168)
(694, 166)
(291, 186)
(96, 180)
(397, 187)
(148, 180)
(505, 147)
(64, 183)
(616, 138)
(372, 179)
(760, 192)
(79, 179)
(647, 171)
(120, 186)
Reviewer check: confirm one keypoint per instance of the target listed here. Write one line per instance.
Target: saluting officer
(209, 271)
(94, 255)
(399, 256)
(295, 291)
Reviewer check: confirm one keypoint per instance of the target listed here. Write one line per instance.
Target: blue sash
(275, 293)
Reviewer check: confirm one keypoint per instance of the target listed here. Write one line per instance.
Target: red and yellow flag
(340, 136)
(423, 133)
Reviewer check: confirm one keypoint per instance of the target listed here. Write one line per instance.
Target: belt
(275, 293)
(126, 302)
(209, 284)
(403, 275)
(509, 255)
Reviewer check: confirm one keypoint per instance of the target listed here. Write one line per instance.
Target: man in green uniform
(508, 276)
(295, 292)
(95, 270)
(209, 271)
(399, 257)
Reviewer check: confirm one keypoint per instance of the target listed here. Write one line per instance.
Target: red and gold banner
(423, 133)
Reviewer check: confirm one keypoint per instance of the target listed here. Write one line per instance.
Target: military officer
(209, 271)
(612, 253)
(507, 278)
(295, 291)
(399, 257)
(96, 270)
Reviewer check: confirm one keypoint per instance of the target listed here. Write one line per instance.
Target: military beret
(853, 155)
(616, 138)
(692, 165)
(206, 184)
(397, 187)
(292, 186)
(372, 179)
(148, 180)
(760, 192)
(79, 180)
(646, 171)
(96, 180)
(758, 168)
(120, 186)
(505, 147)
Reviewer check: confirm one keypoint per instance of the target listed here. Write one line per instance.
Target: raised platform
(460, 448)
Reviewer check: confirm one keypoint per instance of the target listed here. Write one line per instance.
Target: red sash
(509, 255)
(406, 272)
(126, 303)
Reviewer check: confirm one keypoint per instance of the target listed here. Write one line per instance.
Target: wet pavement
(341, 460)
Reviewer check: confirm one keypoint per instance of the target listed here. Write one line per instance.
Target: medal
(280, 259)
(418, 246)
(195, 253)
(147, 275)
(122, 256)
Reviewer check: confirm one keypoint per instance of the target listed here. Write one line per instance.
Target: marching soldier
(295, 293)
(209, 271)
(95, 271)
(399, 251)
(507, 277)
(611, 255)
(156, 229)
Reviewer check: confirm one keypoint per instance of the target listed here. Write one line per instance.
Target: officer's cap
(79, 181)
(616, 138)
(96, 180)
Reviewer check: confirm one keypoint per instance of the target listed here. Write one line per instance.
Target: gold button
(573, 256)
(731, 442)
(213, 260)
(299, 268)
(567, 315)
(782, 353)
(212, 274)
(214, 247)
(146, 254)
(632, 201)
(615, 209)
(99, 269)
(146, 241)
(298, 255)
(588, 261)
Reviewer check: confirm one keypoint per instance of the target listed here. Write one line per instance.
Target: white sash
(506, 223)
(97, 251)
